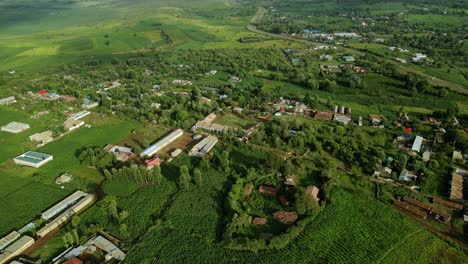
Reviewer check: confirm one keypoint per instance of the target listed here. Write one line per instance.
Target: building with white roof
(171, 137)
(8, 100)
(417, 143)
(203, 147)
(33, 159)
(15, 127)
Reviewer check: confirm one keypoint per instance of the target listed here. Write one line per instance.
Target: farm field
(235, 121)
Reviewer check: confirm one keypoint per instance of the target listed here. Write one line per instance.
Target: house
(8, 100)
(383, 172)
(238, 109)
(204, 146)
(407, 176)
(164, 142)
(176, 153)
(182, 82)
(62, 205)
(11, 71)
(417, 203)
(268, 190)
(69, 98)
(285, 217)
(88, 104)
(64, 178)
(326, 57)
(376, 120)
(312, 191)
(259, 221)
(121, 153)
(290, 180)
(9, 239)
(295, 60)
(417, 144)
(458, 191)
(15, 127)
(446, 203)
(426, 156)
(457, 155)
(151, 163)
(156, 87)
(111, 85)
(43, 138)
(418, 57)
(72, 124)
(156, 105)
(205, 100)
(400, 60)
(234, 79)
(42, 92)
(342, 118)
(54, 96)
(213, 72)
(440, 215)
(348, 59)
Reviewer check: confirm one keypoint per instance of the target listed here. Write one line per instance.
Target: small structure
(73, 260)
(43, 138)
(164, 142)
(64, 178)
(203, 147)
(383, 172)
(121, 153)
(285, 217)
(33, 159)
(348, 59)
(313, 191)
(176, 153)
(326, 57)
(417, 144)
(72, 124)
(342, 118)
(8, 100)
(259, 221)
(79, 115)
(440, 215)
(407, 176)
(105, 245)
(15, 127)
(376, 120)
(457, 191)
(411, 208)
(151, 163)
(443, 202)
(88, 104)
(182, 82)
(290, 180)
(268, 190)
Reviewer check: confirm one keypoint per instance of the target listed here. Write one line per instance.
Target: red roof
(153, 162)
(42, 92)
(268, 190)
(69, 98)
(408, 130)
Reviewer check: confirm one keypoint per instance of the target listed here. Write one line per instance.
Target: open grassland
(234, 121)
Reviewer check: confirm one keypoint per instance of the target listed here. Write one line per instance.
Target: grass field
(235, 121)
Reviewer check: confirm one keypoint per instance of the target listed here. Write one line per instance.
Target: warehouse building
(203, 147)
(56, 209)
(72, 124)
(80, 115)
(15, 127)
(153, 149)
(8, 239)
(33, 159)
(16, 249)
(43, 138)
(113, 252)
(67, 215)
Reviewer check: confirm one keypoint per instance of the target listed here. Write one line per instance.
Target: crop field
(348, 225)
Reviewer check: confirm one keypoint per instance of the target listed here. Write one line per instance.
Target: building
(383, 172)
(346, 35)
(458, 191)
(411, 208)
(208, 124)
(33, 159)
(417, 144)
(66, 215)
(72, 124)
(313, 191)
(176, 153)
(376, 120)
(443, 202)
(111, 85)
(8, 240)
(407, 176)
(348, 59)
(418, 57)
(342, 118)
(285, 217)
(182, 82)
(417, 203)
(8, 100)
(259, 221)
(113, 252)
(73, 260)
(268, 190)
(79, 115)
(88, 104)
(64, 178)
(43, 138)
(62, 205)
(121, 153)
(16, 249)
(204, 146)
(151, 163)
(323, 115)
(15, 127)
(158, 146)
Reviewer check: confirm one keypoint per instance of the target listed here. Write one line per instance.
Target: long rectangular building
(171, 137)
(8, 100)
(54, 210)
(67, 215)
(203, 147)
(16, 249)
(8, 239)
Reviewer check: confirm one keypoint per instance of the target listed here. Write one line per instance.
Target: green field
(234, 121)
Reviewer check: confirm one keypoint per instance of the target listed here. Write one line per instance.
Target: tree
(184, 178)
(123, 230)
(109, 204)
(157, 176)
(75, 221)
(198, 178)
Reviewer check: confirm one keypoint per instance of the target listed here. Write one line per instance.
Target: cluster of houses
(182, 82)
(340, 114)
(338, 68)
(316, 34)
(15, 243)
(290, 107)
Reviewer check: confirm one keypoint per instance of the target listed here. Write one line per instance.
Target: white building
(153, 149)
(33, 159)
(203, 147)
(8, 100)
(15, 127)
(417, 143)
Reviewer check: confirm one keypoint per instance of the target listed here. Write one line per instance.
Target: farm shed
(285, 217)
(33, 159)
(176, 153)
(8, 239)
(80, 115)
(443, 202)
(171, 137)
(54, 210)
(259, 221)
(15, 127)
(417, 203)
(411, 208)
(43, 138)
(67, 215)
(203, 147)
(8, 100)
(15, 249)
(268, 190)
(417, 143)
